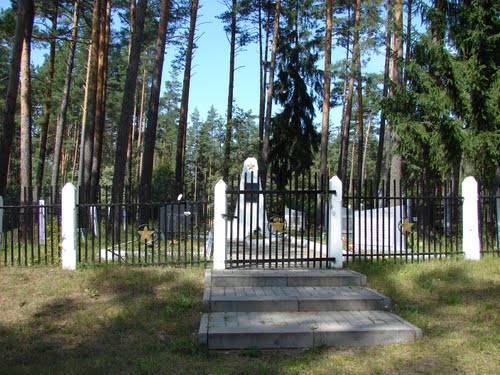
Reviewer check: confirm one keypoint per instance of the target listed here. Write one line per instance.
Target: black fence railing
(153, 233)
(174, 233)
(288, 228)
(276, 227)
(489, 222)
(30, 232)
(401, 221)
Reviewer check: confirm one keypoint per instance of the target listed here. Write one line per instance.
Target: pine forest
(108, 104)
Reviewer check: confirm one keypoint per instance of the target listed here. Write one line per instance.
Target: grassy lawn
(113, 320)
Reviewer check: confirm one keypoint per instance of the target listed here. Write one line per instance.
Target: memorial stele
(250, 217)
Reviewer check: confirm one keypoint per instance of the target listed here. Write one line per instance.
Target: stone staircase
(296, 308)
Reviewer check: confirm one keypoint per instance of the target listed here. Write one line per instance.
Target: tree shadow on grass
(144, 321)
(117, 319)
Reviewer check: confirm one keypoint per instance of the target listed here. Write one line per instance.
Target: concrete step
(279, 330)
(287, 298)
(283, 278)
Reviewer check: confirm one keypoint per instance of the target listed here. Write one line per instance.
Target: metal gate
(273, 227)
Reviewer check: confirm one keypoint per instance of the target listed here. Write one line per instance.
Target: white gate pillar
(220, 228)
(335, 223)
(470, 243)
(68, 227)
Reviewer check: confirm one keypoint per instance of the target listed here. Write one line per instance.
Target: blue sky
(210, 65)
(209, 82)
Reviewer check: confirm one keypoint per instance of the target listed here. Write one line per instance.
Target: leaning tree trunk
(152, 119)
(181, 135)
(61, 118)
(127, 110)
(24, 16)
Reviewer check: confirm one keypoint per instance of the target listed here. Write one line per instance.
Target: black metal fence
(413, 222)
(489, 221)
(274, 227)
(288, 229)
(174, 233)
(30, 232)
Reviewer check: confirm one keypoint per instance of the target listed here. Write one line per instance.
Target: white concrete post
(41, 221)
(220, 227)
(68, 227)
(470, 243)
(335, 220)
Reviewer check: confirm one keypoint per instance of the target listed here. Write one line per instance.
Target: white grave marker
(250, 216)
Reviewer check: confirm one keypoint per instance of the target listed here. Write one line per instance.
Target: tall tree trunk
(25, 116)
(183, 116)
(25, 125)
(359, 87)
(61, 118)
(409, 5)
(263, 53)
(87, 147)
(351, 174)
(25, 11)
(344, 97)
(269, 101)
(84, 119)
(140, 129)
(346, 125)
(154, 101)
(133, 8)
(325, 120)
(397, 80)
(367, 140)
(100, 115)
(230, 93)
(78, 135)
(127, 110)
(382, 139)
(48, 105)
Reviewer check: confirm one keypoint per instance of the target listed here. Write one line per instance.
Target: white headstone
(41, 221)
(250, 216)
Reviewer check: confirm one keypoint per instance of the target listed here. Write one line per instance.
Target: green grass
(130, 320)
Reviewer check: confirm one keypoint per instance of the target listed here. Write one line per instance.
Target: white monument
(250, 216)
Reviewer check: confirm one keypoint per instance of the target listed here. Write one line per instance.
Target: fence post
(335, 220)
(68, 227)
(470, 241)
(220, 211)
